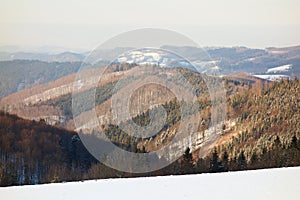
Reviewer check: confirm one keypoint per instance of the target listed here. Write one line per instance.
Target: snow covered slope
(259, 184)
(273, 77)
(283, 68)
(151, 56)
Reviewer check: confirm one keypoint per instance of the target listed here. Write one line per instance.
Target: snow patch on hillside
(283, 68)
(273, 77)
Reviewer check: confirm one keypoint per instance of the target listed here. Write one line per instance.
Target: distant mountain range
(46, 49)
(61, 57)
(21, 70)
(229, 60)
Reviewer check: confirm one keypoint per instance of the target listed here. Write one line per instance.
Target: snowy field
(258, 184)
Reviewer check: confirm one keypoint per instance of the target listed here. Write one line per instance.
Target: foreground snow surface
(258, 184)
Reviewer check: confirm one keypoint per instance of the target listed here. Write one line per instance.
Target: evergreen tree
(187, 162)
(242, 163)
(214, 166)
(187, 154)
(225, 158)
(294, 143)
(253, 159)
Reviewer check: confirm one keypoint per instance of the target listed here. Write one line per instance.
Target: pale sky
(88, 23)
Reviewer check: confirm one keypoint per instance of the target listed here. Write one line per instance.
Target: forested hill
(267, 130)
(17, 75)
(266, 134)
(33, 152)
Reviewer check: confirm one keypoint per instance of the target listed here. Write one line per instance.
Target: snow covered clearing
(272, 77)
(283, 68)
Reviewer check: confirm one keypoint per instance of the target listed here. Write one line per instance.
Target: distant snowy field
(272, 77)
(283, 68)
(258, 184)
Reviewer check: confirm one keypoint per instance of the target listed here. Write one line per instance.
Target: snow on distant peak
(144, 56)
(151, 56)
(283, 68)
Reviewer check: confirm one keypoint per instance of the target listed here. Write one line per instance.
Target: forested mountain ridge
(268, 126)
(261, 129)
(266, 134)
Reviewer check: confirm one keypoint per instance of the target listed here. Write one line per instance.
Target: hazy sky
(88, 23)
